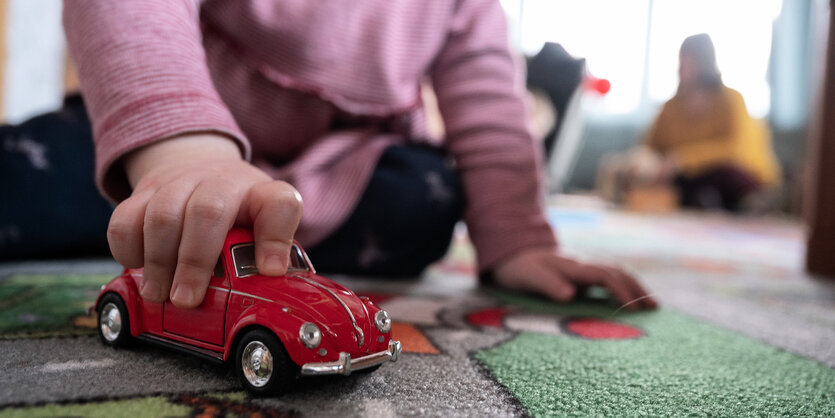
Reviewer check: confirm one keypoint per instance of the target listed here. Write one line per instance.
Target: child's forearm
(144, 76)
(499, 162)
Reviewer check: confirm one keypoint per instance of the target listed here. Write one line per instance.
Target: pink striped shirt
(313, 92)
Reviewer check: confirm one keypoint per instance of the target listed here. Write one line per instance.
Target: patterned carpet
(742, 331)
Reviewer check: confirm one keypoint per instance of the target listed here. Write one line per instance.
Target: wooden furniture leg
(820, 250)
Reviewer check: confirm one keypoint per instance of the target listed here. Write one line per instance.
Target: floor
(742, 330)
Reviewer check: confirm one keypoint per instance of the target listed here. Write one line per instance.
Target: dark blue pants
(404, 220)
(49, 206)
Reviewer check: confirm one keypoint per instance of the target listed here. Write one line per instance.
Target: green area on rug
(34, 305)
(147, 407)
(683, 366)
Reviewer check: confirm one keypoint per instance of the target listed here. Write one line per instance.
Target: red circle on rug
(599, 329)
(492, 317)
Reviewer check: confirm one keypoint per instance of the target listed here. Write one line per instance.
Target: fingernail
(273, 262)
(150, 290)
(183, 295)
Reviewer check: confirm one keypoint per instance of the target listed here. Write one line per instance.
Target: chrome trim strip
(357, 329)
(218, 288)
(214, 355)
(345, 365)
(235, 292)
(307, 259)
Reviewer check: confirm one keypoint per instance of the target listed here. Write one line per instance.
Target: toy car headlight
(382, 321)
(310, 335)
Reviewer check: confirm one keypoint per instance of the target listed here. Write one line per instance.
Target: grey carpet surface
(745, 275)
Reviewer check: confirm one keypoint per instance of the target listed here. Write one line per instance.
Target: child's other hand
(668, 170)
(544, 271)
(188, 193)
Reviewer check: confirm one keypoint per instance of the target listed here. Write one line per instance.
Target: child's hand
(668, 170)
(188, 192)
(546, 272)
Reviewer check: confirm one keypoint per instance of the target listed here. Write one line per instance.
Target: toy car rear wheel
(113, 321)
(262, 363)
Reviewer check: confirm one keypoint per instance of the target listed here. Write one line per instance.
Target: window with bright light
(634, 44)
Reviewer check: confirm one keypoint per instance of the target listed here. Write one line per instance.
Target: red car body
(353, 333)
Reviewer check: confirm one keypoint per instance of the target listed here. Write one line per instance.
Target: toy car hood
(337, 310)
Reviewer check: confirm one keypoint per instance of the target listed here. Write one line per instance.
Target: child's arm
(480, 100)
(169, 149)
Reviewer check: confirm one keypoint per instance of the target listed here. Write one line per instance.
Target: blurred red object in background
(599, 85)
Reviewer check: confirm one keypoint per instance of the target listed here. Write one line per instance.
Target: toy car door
(205, 322)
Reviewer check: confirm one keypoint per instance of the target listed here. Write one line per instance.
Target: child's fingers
(124, 233)
(536, 272)
(641, 297)
(553, 282)
(591, 274)
(162, 230)
(209, 215)
(558, 288)
(275, 209)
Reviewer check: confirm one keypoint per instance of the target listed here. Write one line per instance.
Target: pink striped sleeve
(144, 77)
(480, 98)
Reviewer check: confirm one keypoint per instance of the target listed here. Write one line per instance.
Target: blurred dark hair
(700, 47)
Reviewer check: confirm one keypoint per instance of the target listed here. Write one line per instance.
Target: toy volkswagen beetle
(271, 329)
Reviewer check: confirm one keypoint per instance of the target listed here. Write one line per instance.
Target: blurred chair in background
(559, 76)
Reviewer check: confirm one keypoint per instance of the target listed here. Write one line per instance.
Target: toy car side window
(243, 255)
(297, 261)
(219, 269)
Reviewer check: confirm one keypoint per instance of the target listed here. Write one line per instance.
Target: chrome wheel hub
(257, 363)
(111, 321)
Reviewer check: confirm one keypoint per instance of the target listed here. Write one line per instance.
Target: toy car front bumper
(345, 365)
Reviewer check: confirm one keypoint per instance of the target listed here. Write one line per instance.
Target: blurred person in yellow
(714, 152)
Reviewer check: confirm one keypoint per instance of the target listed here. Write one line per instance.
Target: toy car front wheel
(262, 363)
(114, 324)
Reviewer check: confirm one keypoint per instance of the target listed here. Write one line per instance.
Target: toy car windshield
(244, 258)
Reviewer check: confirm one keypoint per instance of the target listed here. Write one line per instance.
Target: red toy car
(269, 328)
